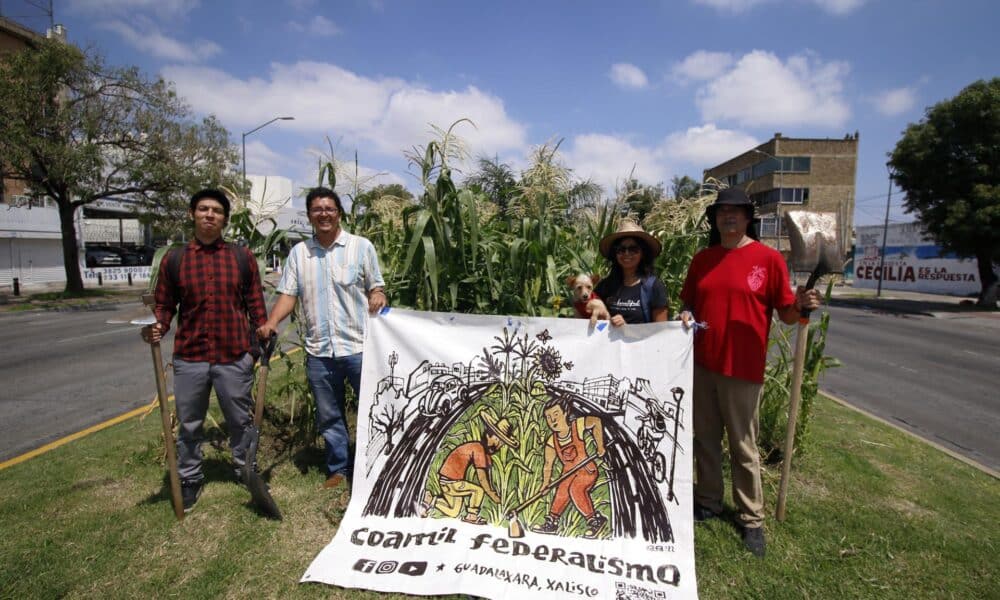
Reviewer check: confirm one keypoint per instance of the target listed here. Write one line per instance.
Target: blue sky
(669, 87)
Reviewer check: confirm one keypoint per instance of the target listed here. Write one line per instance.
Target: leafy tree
(684, 188)
(640, 199)
(77, 131)
(949, 166)
(494, 179)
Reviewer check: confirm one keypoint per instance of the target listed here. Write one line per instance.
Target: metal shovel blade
(259, 492)
(814, 243)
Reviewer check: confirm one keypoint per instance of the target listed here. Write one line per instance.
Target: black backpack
(174, 257)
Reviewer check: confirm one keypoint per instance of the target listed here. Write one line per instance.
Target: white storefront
(30, 243)
(31, 240)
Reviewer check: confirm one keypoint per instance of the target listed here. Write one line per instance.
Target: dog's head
(582, 286)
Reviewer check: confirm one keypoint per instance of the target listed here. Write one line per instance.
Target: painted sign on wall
(912, 263)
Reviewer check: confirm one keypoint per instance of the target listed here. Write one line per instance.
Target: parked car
(102, 258)
(129, 257)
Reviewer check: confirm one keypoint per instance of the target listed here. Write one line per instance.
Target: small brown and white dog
(582, 289)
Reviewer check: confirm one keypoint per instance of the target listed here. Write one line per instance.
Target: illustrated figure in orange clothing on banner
(567, 444)
(456, 491)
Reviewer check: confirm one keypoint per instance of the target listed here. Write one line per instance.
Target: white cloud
(318, 26)
(609, 160)
(148, 38)
(731, 6)
(839, 7)
(895, 102)
(262, 160)
(761, 90)
(389, 114)
(702, 65)
(707, 145)
(123, 7)
(834, 7)
(628, 76)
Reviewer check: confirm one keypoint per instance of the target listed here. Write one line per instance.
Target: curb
(960, 457)
(863, 303)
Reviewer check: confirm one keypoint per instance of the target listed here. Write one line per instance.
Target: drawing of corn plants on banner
(519, 457)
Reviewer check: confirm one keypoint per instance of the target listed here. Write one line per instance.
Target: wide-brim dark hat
(630, 229)
(731, 197)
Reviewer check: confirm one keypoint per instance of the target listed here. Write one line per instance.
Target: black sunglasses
(631, 249)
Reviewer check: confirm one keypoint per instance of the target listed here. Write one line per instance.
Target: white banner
(112, 231)
(579, 443)
(116, 273)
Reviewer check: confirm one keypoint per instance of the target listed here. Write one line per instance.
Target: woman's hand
(617, 321)
(598, 311)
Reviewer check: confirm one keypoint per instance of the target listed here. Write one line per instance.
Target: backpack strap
(645, 297)
(243, 263)
(174, 265)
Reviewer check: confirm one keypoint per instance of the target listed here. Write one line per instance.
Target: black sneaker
(550, 526)
(702, 513)
(594, 525)
(190, 492)
(753, 539)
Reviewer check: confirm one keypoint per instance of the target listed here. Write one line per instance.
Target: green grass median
(872, 513)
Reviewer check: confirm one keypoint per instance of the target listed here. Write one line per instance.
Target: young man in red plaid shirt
(212, 345)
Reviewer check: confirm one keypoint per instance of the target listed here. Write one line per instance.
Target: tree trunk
(988, 294)
(71, 254)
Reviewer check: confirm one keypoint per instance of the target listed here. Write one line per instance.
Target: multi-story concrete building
(30, 235)
(795, 174)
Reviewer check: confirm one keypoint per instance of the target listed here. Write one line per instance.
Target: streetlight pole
(259, 127)
(885, 234)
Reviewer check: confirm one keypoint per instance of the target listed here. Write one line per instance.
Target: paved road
(65, 371)
(937, 377)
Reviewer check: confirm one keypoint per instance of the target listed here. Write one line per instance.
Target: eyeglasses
(323, 211)
(628, 250)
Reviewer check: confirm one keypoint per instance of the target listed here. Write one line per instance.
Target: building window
(768, 226)
(794, 195)
(788, 164)
(787, 195)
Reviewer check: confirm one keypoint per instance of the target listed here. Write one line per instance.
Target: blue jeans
(326, 378)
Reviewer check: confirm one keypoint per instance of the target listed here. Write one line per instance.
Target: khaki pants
(453, 494)
(721, 401)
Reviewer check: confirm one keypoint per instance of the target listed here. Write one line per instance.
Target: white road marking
(90, 335)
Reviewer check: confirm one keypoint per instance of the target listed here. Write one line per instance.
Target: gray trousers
(193, 382)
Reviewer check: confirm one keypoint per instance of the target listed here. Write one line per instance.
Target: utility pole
(885, 234)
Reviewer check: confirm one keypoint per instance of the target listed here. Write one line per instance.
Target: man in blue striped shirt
(336, 277)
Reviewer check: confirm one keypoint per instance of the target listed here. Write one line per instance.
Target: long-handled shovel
(258, 489)
(515, 528)
(813, 238)
(168, 430)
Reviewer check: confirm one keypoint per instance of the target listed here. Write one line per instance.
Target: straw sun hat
(630, 229)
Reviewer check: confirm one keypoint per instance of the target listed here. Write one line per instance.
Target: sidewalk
(112, 292)
(898, 301)
(43, 296)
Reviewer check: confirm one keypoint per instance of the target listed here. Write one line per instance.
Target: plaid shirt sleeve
(165, 296)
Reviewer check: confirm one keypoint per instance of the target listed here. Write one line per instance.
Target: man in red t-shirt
(734, 286)
(455, 489)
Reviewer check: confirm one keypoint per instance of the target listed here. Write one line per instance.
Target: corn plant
(775, 398)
